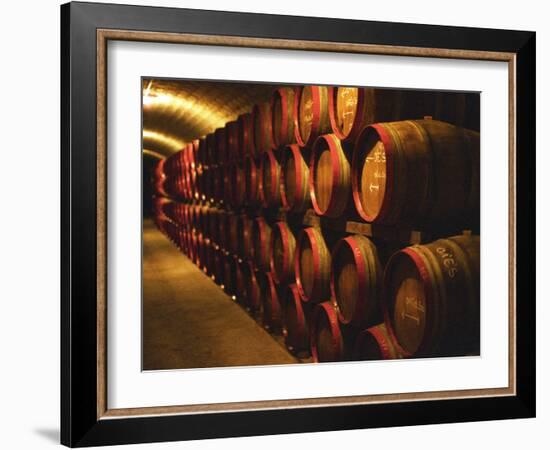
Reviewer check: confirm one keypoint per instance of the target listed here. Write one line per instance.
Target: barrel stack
(345, 220)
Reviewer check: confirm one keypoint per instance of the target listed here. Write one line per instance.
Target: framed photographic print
(276, 224)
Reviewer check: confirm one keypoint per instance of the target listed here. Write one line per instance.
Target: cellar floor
(189, 322)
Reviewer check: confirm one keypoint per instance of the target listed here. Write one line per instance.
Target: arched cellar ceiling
(178, 111)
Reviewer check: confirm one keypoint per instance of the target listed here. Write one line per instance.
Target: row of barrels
(408, 173)
(340, 296)
(300, 114)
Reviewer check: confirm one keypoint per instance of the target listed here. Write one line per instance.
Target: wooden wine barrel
(232, 135)
(353, 108)
(202, 154)
(459, 108)
(181, 174)
(204, 254)
(158, 187)
(261, 237)
(201, 184)
(192, 246)
(356, 281)
(194, 144)
(203, 220)
(234, 234)
(159, 204)
(375, 343)
(195, 217)
(168, 209)
(256, 291)
(242, 274)
(167, 227)
(282, 108)
(189, 244)
(159, 169)
(218, 184)
(227, 185)
(229, 280)
(272, 310)
(294, 179)
(311, 116)
(219, 266)
(220, 136)
(211, 150)
(182, 215)
(330, 176)
(246, 239)
(226, 238)
(327, 343)
(171, 165)
(431, 300)
(186, 171)
(246, 136)
(270, 189)
(312, 266)
(223, 228)
(416, 173)
(296, 322)
(200, 247)
(208, 182)
(185, 242)
(252, 182)
(238, 185)
(193, 166)
(283, 248)
(263, 135)
(213, 224)
(211, 259)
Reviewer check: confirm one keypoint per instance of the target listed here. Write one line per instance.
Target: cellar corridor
(189, 322)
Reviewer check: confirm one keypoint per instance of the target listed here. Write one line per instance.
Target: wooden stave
(320, 120)
(297, 340)
(379, 336)
(341, 176)
(285, 96)
(238, 185)
(272, 310)
(220, 137)
(232, 141)
(245, 136)
(369, 275)
(320, 289)
(257, 284)
(326, 310)
(270, 188)
(263, 134)
(252, 182)
(301, 200)
(284, 232)
(261, 237)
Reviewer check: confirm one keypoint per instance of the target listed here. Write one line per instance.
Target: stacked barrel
(235, 203)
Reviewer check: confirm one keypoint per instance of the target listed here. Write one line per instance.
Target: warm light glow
(153, 153)
(181, 105)
(173, 144)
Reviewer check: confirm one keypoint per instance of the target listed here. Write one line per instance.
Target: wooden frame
(86, 419)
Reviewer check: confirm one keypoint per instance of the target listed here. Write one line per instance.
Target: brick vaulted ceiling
(178, 111)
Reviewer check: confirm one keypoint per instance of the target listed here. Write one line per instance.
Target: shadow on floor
(50, 434)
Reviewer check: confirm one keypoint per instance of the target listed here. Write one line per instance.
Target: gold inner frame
(103, 36)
